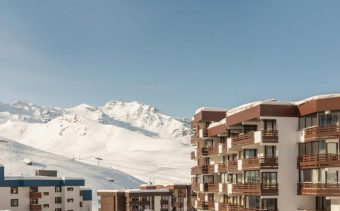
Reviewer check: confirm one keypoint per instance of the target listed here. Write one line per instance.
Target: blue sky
(176, 55)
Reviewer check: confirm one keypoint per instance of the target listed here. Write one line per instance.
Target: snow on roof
(135, 191)
(210, 109)
(253, 104)
(214, 124)
(317, 97)
(41, 178)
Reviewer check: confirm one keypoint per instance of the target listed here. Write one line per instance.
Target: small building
(43, 193)
(176, 197)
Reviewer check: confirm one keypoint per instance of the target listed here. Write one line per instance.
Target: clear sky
(176, 55)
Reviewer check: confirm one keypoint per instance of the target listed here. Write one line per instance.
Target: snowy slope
(132, 137)
(12, 155)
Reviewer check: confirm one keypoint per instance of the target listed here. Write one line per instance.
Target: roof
(316, 97)
(210, 109)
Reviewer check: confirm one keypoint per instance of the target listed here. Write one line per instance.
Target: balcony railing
(259, 163)
(319, 161)
(255, 189)
(202, 170)
(232, 165)
(211, 187)
(35, 207)
(35, 195)
(322, 132)
(222, 168)
(227, 207)
(319, 189)
(249, 138)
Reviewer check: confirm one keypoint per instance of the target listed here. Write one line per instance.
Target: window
(14, 202)
(14, 190)
(269, 124)
(46, 193)
(250, 153)
(57, 209)
(70, 189)
(57, 200)
(269, 204)
(270, 151)
(252, 176)
(46, 206)
(69, 200)
(269, 178)
(332, 148)
(34, 189)
(253, 202)
(57, 188)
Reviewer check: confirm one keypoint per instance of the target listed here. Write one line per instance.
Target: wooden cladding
(319, 105)
(209, 116)
(319, 161)
(322, 132)
(319, 189)
(259, 163)
(255, 189)
(275, 110)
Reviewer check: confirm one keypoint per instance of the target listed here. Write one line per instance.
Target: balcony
(35, 207)
(232, 165)
(202, 170)
(259, 163)
(318, 161)
(210, 187)
(322, 132)
(178, 205)
(35, 195)
(222, 168)
(164, 201)
(228, 207)
(255, 189)
(206, 205)
(264, 136)
(319, 189)
(195, 187)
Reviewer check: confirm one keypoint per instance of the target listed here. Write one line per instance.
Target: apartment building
(268, 155)
(175, 197)
(45, 191)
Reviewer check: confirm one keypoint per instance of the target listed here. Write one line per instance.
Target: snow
(210, 109)
(132, 137)
(317, 97)
(249, 105)
(12, 154)
(214, 124)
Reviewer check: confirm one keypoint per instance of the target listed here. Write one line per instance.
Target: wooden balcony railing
(268, 136)
(195, 187)
(319, 161)
(232, 165)
(255, 189)
(213, 150)
(202, 170)
(322, 132)
(222, 168)
(202, 205)
(319, 189)
(35, 195)
(242, 139)
(259, 163)
(35, 207)
(211, 187)
(228, 207)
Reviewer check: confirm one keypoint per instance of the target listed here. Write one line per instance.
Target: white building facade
(43, 193)
(268, 156)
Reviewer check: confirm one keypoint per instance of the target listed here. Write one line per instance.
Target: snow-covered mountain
(132, 137)
(13, 155)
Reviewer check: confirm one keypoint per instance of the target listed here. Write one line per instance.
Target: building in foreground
(268, 156)
(175, 197)
(45, 191)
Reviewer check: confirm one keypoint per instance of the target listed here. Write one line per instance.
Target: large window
(318, 147)
(57, 200)
(269, 178)
(308, 121)
(57, 189)
(328, 119)
(253, 202)
(252, 176)
(270, 151)
(269, 124)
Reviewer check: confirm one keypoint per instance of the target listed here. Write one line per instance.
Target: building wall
(288, 172)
